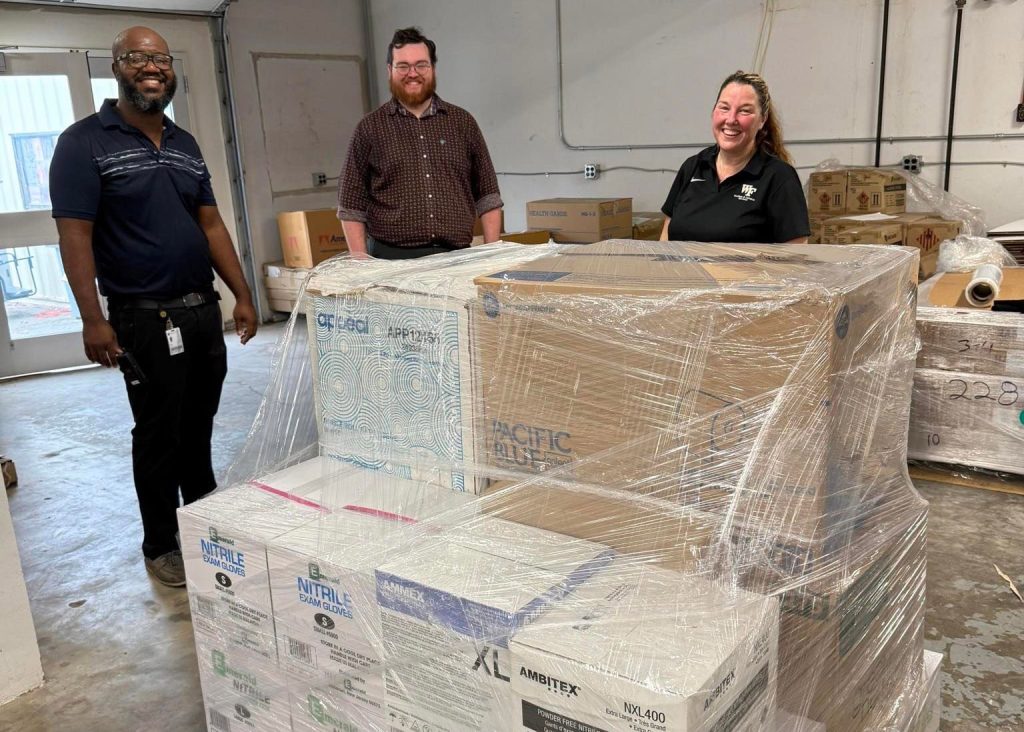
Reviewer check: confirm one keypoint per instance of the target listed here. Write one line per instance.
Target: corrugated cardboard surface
(667, 368)
(582, 220)
(647, 225)
(973, 341)
(948, 289)
(310, 237)
(851, 645)
(922, 230)
(826, 192)
(880, 233)
(875, 190)
(969, 419)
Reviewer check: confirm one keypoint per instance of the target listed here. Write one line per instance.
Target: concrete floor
(117, 647)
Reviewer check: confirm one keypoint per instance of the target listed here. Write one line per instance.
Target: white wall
(646, 72)
(29, 27)
(323, 37)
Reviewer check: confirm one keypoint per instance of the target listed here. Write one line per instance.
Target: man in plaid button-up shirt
(418, 173)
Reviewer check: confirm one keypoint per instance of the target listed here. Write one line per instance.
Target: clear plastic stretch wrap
(968, 399)
(967, 253)
(634, 486)
(923, 195)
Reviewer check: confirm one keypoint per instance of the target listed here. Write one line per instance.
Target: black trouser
(173, 410)
(382, 250)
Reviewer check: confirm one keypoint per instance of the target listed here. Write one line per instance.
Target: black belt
(191, 300)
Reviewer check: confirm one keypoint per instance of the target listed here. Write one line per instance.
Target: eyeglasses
(403, 68)
(139, 60)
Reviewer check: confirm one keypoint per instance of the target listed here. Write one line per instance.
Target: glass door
(41, 93)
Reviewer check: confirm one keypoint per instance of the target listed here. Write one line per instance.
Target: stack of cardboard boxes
(765, 389)
(969, 383)
(284, 285)
(690, 504)
(867, 206)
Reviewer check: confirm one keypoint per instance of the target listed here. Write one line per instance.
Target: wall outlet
(319, 179)
(591, 171)
(912, 163)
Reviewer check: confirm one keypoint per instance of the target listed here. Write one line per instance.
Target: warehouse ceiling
(201, 7)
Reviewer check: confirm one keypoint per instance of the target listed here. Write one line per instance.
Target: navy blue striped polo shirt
(143, 202)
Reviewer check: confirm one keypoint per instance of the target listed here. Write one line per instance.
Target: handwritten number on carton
(979, 390)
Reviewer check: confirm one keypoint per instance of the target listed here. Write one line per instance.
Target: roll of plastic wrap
(983, 288)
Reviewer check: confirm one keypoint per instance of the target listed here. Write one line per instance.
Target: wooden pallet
(969, 478)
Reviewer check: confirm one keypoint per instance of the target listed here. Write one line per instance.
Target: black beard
(144, 104)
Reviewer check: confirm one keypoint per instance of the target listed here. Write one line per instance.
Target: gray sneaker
(169, 569)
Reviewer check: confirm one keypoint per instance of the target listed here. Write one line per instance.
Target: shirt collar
(110, 117)
(436, 105)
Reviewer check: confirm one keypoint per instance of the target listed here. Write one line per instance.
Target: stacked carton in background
(868, 206)
(969, 383)
(628, 486)
(283, 285)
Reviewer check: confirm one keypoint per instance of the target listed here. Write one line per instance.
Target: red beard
(413, 99)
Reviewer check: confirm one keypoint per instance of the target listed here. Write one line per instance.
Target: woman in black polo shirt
(743, 188)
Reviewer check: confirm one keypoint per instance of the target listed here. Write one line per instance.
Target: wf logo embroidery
(746, 193)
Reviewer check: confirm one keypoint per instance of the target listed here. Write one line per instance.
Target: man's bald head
(138, 38)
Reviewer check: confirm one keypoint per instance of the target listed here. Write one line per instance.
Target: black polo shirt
(762, 204)
(143, 202)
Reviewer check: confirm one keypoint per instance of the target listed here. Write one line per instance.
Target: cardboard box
(391, 362)
(326, 616)
(642, 648)
(449, 607)
(283, 285)
(581, 220)
(284, 305)
(8, 473)
(870, 191)
(851, 643)
(527, 237)
(647, 225)
(948, 289)
(310, 237)
(325, 609)
(967, 419)
(826, 192)
(223, 543)
(873, 228)
(923, 231)
(877, 233)
(671, 538)
(281, 277)
(697, 374)
(330, 708)
(970, 341)
(926, 232)
(241, 690)
(816, 222)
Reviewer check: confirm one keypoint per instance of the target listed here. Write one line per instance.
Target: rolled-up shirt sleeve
(486, 194)
(353, 183)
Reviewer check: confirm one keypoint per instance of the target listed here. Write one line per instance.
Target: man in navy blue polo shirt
(134, 208)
